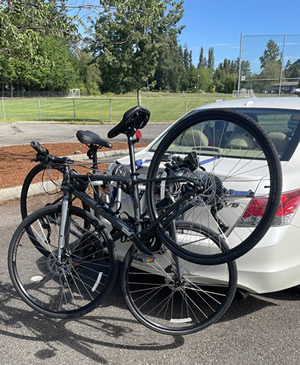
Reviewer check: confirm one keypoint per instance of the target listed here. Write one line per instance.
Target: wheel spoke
(76, 283)
(174, 296)
(239, 158)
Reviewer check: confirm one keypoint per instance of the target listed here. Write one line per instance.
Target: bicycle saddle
(89, 137)
(135, 118)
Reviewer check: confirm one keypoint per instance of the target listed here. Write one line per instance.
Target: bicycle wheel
(41, 187)
(176, 297)
(73, 286)
(222, 171)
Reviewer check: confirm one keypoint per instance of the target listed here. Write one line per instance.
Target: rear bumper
(274, 264)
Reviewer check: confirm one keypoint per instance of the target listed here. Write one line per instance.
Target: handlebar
(43, 155)
(39, 149)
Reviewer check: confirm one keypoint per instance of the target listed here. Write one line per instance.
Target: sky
(219, 24)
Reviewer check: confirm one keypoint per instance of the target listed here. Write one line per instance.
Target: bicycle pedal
(144, 258)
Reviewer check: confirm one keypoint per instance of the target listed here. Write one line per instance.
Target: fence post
(186, 106)
(39, 104)
(74, 108)
(3, 108)
(110, 110)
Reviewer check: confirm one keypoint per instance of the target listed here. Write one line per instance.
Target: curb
(15, 192)
(82, 123)
(10, 193)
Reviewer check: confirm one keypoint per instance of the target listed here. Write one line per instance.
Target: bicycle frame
(138, 235)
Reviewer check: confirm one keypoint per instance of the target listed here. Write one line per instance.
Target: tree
(24, 23)
(292, 70)
(88, 72)
(8, 72)
(186, 58)
(211, 58)
(60, 73)
(57, 74)
(271, 53)
(270, 72)
(202, 59)
(128, 38)
(229, 84)
(170, 70)
(23, 26)
(245, 68)
(205, 79)
(225, 75)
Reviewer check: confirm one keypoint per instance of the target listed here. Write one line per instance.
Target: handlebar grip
(44, 157)
(39, 149)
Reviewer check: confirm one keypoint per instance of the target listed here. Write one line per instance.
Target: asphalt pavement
(46, 132)
(261, 329)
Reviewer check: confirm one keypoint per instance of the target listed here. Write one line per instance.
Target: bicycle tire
(76, 285)
(225, 169)
(40, 189)
(158, 302)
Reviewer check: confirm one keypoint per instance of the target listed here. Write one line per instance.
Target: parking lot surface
(257, 330)
(25, 132)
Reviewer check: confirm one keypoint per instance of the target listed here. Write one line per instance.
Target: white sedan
(274, 263)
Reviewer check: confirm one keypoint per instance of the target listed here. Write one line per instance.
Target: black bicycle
(224, 153)
(62, 259)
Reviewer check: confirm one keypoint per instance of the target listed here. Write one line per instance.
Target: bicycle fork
(64, 228)
(177, 272)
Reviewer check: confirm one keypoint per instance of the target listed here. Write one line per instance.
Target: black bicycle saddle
(89, 137)
(135, 118)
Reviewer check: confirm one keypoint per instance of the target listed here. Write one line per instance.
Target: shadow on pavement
(80, 335)
(110, 325)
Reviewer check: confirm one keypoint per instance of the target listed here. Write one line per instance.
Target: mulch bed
(16, 161)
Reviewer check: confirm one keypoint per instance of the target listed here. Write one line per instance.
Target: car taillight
(289, 203)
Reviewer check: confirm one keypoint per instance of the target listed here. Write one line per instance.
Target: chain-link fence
(269, 64)
(163, 109)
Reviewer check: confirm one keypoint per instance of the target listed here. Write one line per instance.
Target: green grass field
(164, 107)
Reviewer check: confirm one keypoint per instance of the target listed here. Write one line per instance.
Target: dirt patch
(16, 161)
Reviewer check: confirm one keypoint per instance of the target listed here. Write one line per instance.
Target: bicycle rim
(164, 303)
(70, 287)
(232, 182)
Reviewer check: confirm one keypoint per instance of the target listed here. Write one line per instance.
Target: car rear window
(282, 126)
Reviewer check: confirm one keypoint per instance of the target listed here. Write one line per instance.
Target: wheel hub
(174, 283)
(57, 268)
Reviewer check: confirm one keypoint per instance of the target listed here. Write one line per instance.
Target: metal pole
(39, 104)
(240, 66)
(281, 59)
(110, 111)
(3, 108)
(74, 108)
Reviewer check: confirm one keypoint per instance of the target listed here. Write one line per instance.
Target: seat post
(95, 161)
(133, 175)
(92, 154)
(131, 154)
